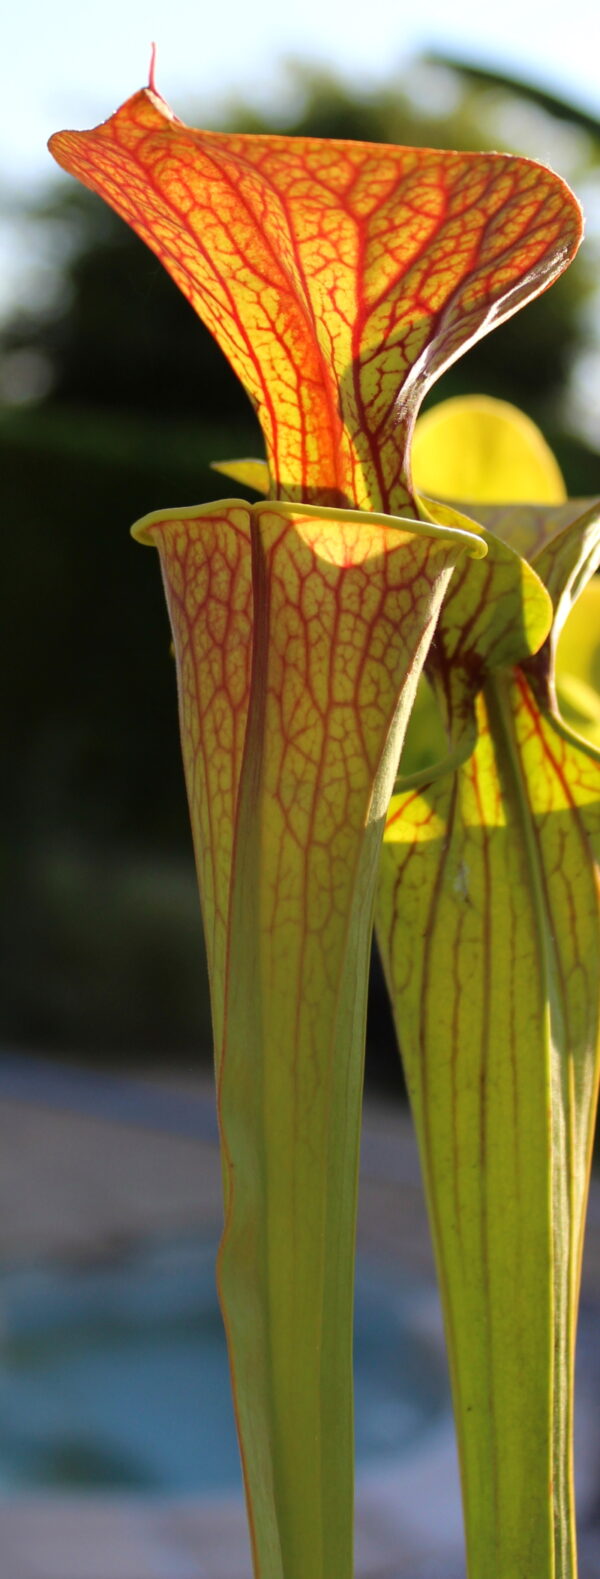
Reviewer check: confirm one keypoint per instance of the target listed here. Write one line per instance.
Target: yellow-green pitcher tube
(488, 922)
(340, 279)
(299, 637)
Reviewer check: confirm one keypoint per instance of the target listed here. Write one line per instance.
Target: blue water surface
(114, 1376)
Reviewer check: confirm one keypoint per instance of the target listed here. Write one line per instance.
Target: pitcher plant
(340, 279)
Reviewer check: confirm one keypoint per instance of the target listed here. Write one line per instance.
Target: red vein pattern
(299, 638)
(489, 883)
(339, 278)
(207, 573)
(326, 598)
(497, 612)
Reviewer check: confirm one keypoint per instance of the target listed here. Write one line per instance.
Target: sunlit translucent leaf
(578, 650)
(253, 474)
(485, 451)
(495, 617)
(567, 560)
(488, 887)
(487, 921)
(578, 665)
(299, 636)
(339, 278)
(568, 556)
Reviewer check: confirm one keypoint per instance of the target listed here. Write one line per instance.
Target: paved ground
(76, 1187)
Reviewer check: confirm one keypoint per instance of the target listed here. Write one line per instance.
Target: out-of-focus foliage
(137, 402)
